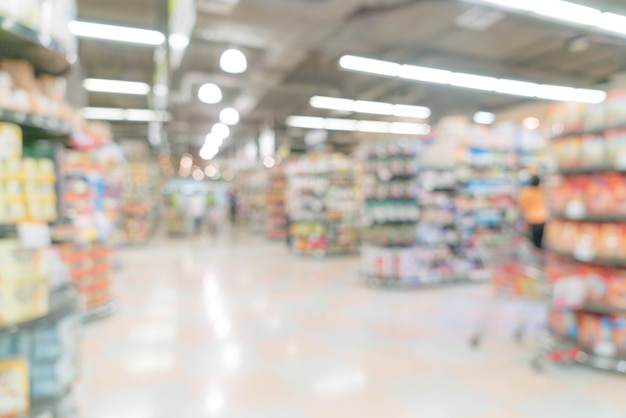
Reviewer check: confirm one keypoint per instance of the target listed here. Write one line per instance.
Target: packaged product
(594, 329)
(20, 264)
(611, 241)
(597, 279)
(22, 73)
(595, 116)
(10, 141)
(593, 150)
(564, 323)
(23, 301)
(619, 333)
(616, 290)
(616, 148)
(616, 108)
(14, 387)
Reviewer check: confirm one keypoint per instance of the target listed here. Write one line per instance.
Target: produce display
(587, 235)
(323, 205)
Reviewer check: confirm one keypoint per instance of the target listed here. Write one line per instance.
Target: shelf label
(584, 253)
(34, 235)
(575, 210)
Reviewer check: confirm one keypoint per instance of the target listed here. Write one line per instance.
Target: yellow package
(10, 140)
(23, 301)
(20, 264)
(14, 387)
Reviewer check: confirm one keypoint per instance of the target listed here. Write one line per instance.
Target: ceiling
(293, 47)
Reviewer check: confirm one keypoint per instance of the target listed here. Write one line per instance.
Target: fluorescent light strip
(479, 82)
(566, 11)
(116, 33)
(131, 115)
(375, 108)
(116, 86)
(353, 125)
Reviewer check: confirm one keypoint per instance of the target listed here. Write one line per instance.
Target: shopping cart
(521, 286)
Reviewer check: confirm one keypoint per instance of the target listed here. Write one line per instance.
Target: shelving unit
(586, 235)
(276, 222)
(322, 206)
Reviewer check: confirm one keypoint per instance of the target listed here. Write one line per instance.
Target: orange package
(598, 279)
(616, 290)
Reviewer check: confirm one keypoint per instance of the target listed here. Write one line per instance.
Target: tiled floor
(239, 328)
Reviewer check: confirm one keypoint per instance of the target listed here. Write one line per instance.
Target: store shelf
(590, 169)
(21, 42)
(616, 217)
(604, 261)
(587, 357)
(37, 126)
(582, 132)
(601, 309)
(64, 302)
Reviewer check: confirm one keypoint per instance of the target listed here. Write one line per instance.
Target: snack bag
(616, 290)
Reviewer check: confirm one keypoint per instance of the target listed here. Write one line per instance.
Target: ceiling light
(161, 90)
(340, 124)
(306, 122)
(527, 5)
(531, 123)
(332, 103)
(430, 75)
(210, 93)
(472, 81)
(198, 175)
(210, 171)
(116, 86)
(368, 65)
(208, 152)
(221, 130)
(178, 41)
(233, 61)
(613, 22)
(354, 125)
(571, 12)
(362, 106)
(517, 88)
(479, 82)
(559, 93)
(484, 118)
(213, 139)
(102, 113)
(269, 162)
(377, 108)
(373, 126)
(404, 128)
(589, 96)
(116, 33)
(418, 112)
(229, 116)
(131, 115)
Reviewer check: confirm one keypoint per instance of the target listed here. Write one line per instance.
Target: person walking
(532, 203)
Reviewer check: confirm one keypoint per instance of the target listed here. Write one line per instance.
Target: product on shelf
(250, 187)
(588, 229)
(276, 212)
(323, 205)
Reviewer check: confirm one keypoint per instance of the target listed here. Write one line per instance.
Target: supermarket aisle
(239, 328)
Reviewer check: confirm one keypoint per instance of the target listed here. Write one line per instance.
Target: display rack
(587, 235)
(276, 222)
(39, 314)
(323, 205)
(250, 187)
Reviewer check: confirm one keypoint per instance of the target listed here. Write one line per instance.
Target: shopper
(197, 211)
(233, 206)
(532, 204)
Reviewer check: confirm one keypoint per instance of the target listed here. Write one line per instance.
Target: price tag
(33, 235)
(605, 349)
(575, 210)
(584, 253)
